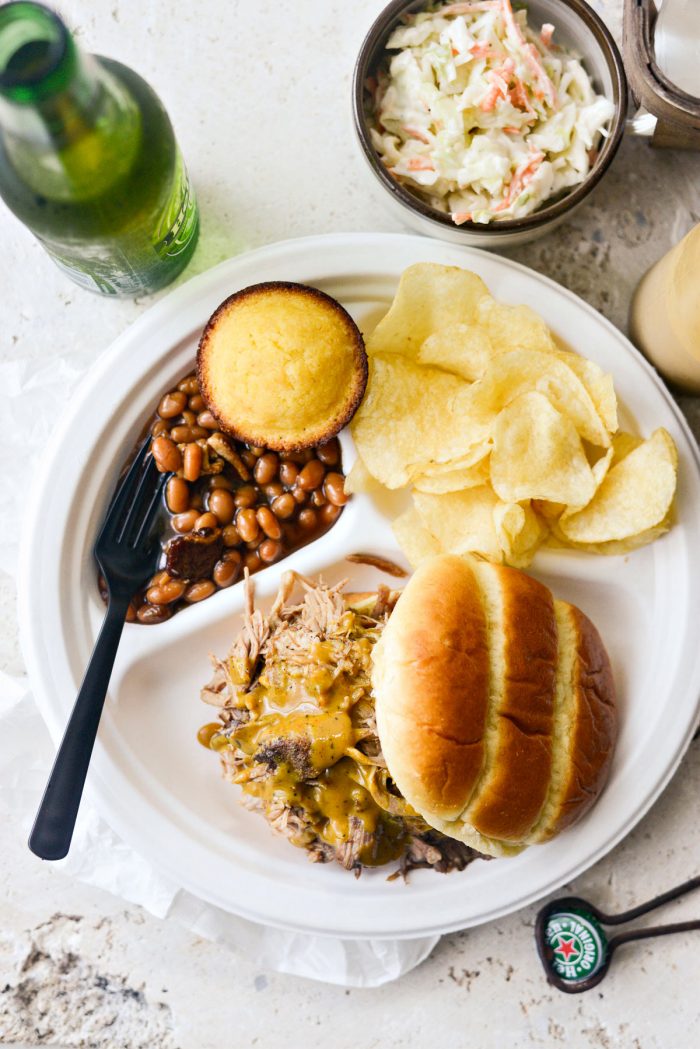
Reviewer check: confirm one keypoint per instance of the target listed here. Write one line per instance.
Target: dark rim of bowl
(373, 48)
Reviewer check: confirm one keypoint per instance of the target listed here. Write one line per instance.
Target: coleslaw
(483, 117)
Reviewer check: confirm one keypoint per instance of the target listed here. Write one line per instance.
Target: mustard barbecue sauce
(311, 704)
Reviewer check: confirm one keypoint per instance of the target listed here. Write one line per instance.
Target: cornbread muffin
(282, 365)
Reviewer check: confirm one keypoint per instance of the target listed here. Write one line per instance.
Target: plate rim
(176, 302)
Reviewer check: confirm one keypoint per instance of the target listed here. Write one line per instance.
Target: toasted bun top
(282, 366)
(495, 704)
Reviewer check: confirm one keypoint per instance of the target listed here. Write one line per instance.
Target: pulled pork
(298, 731)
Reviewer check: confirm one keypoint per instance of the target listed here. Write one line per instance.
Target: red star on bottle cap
(566, 947)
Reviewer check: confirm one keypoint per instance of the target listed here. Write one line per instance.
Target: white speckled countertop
(259, 95)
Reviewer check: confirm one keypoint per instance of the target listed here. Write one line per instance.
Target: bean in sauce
(223, 505)
(311, 475)
(177, 495)
(285, 501)
(192, 461)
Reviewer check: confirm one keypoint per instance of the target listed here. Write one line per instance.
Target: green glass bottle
(88, 159)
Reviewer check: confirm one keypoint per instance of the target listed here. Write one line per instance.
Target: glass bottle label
(123, 267)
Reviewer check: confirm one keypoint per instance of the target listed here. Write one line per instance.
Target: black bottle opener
(573, 946)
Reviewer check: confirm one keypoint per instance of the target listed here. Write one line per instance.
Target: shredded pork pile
(298, 732)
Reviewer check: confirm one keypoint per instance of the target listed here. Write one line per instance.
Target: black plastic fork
(126, 553)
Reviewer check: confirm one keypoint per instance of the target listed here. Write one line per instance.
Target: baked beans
(329, 453)
(283, 506)
(184, 433)
(206, 520)
(222, 505)
(252, 561)
(308, 519)
(228, 506)
(269, 550)
(272, 490)
(177, 495)
(334, 489)
(289, 472)
(166, 453)
(221, 481)
(268, 522)
(266, 468)
(159, 426)
(231, 536)
(192, 460)
(184, 522)
(329, 514)
(207, 421)
(172, 404)
(311, 475)
(199, 591)
(246, 496)
(226, 572)
(190, 386)
(165, 592)
(247, 525)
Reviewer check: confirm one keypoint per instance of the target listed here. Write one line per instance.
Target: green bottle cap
(37, 54)
(575, 951)
(575, 945)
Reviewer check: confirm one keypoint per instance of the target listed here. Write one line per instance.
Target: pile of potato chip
(507, 439)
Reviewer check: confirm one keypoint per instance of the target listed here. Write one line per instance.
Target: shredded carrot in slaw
(476, 107)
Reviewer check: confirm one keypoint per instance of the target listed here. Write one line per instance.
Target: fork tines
(134, 502)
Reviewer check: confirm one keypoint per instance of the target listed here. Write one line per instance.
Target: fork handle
(55, 820)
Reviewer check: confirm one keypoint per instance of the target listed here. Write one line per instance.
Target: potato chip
(548, 511)
(454, 480)
(622, 444)
(429, 298)
(476, 453)
(359, 479)
(511, 374)
(520, 532)
(414, 538)
(463, 349)
(598, 384)
(599, 469)
(413, 415)
(508, 437)
(634, 497)
(614, 548)
(467, 349)
(537, 454)
(601, 466)
(513, 327)
(462, 522)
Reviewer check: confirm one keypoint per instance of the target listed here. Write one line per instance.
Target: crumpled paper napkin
(32, 387)
(99, 857)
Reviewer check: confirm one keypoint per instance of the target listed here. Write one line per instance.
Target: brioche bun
(495, 704)
(282, 366)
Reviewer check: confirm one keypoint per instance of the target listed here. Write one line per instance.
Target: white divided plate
(149, 777)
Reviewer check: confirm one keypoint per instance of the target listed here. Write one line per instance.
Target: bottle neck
(49, 90)
(70, 128)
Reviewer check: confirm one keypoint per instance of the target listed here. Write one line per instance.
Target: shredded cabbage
(482, 116)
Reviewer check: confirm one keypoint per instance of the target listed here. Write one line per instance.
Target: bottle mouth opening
(34, 46)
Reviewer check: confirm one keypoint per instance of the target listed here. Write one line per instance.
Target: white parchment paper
(32, 390)
(98, 857)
